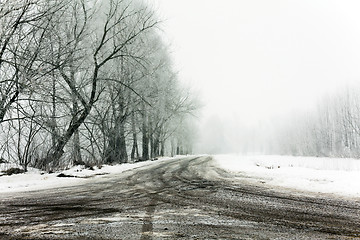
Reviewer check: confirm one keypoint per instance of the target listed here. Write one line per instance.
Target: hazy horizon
(255, 62)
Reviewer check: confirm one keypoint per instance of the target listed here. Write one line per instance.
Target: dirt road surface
(177, 199)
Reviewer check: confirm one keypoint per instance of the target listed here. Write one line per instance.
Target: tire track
(178, 200)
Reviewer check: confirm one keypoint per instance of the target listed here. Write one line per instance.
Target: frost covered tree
(85, 81)
(331, 130)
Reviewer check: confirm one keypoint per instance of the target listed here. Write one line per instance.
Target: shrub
(12, 171)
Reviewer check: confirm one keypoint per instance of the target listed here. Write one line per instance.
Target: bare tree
(115, 29)
(86, 78)
(23, 27)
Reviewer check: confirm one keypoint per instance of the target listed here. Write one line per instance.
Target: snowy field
(320, 175)
(34, 179)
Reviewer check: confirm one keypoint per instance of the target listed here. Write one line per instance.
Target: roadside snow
(34, 179)
(321, 175)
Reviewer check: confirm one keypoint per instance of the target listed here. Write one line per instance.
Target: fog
(256, 63)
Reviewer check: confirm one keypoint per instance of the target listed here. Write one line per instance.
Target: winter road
(176, 199)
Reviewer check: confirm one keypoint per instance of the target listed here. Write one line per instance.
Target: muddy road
(176, 199)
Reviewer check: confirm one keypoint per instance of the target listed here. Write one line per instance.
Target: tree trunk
(156, 145)
(162, 147)
(145, 136)
(77, 159)
(58, 150)
(152, 146)
(173, 148)
(134, 149)
(122, 144)
(53, 114)
(116, 149)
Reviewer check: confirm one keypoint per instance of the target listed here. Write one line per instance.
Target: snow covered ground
(320, 175)
(34, 179)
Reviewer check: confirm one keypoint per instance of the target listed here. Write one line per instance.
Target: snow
(339, 176)
(319, 175)
(34, 179)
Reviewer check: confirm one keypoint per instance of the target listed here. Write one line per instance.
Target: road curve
(176, 199)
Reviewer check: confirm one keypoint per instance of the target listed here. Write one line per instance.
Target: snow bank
(321, 175)
(34, 179)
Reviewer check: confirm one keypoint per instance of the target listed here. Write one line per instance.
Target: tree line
(88, 81)
(330, 130)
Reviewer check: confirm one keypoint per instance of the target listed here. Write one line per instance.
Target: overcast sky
(257, 59)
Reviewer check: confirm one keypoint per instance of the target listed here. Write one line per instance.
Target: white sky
(257, 59)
